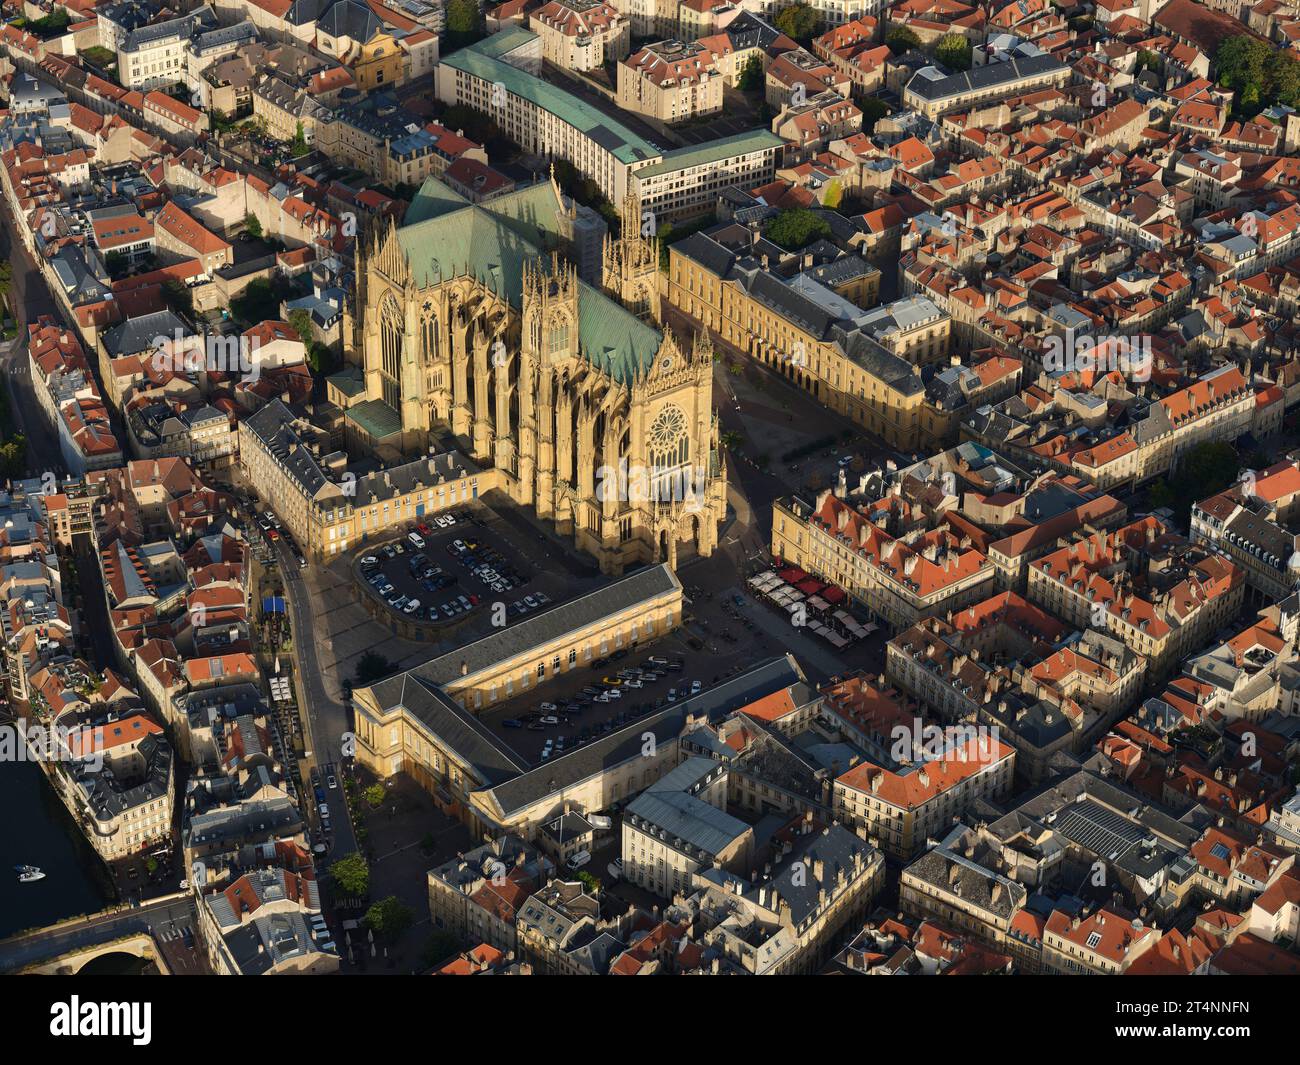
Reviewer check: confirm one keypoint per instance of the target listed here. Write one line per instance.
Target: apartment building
(1105, 943)
(180, 235)
(686, 182)
(679, 826)
(581, 35)
(1008, 664)
(933, 93)
(861, 549)
(118, 780)
(539, 116)
(69, 397)
(902, 805)
(153, 55)
(670, 81)
(330, 510)
(1147, 586)
(497, 77)
(477, 896)
(380, 138)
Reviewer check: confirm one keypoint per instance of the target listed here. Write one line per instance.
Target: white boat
(28, 874)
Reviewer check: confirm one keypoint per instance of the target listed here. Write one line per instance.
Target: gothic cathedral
(472, 321)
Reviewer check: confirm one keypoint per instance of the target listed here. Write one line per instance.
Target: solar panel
(1099, 830)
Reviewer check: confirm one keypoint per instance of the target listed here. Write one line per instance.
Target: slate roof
(537, 630)
(931, 84)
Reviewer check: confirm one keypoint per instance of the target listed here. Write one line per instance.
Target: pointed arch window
(557, 336)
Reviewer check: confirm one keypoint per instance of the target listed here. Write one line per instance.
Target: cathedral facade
(470, 321)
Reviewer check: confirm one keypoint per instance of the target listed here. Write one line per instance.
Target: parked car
(615, 869)
(415, 538)
(577, 861)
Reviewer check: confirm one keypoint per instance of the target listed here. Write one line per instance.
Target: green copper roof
(491, 242)
(376, 417)
(711, 152)
(433, 199)
(480, 61)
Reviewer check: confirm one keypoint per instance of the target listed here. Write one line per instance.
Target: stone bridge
(68, 946)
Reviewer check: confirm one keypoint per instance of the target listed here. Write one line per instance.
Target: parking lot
(450, 568)
(575, 708)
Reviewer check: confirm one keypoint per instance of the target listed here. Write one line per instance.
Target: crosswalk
(171, 935)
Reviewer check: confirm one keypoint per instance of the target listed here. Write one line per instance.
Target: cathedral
(474, 321)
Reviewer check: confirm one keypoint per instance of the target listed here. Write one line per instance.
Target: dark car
(512, 722)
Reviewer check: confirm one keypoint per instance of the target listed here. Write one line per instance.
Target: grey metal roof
(685, 821)
(458, 730)
(137, 335)
(538, 630)
(931, 84)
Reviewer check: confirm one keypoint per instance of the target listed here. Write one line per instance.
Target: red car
(424, 529)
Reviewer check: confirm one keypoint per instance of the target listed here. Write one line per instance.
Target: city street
(324, 716)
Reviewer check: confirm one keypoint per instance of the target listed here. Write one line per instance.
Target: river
(38, 830)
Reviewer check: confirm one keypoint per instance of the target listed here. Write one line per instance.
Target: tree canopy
(1207, 468)
(954, 52)
(873, 110)
(900, 39)
(751, 74)
(797, 228)
(798, 21)
(372, 667)
(1259, 73)
(389, 918)
(352, 874)
(464, 24)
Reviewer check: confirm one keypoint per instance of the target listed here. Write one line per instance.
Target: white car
(415, 539)
(695, 687)
(546, 751)
(615, 869)
(450, 519)
(579, 860)
(411, 607)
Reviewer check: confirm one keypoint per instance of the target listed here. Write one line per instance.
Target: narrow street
(324, 719)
